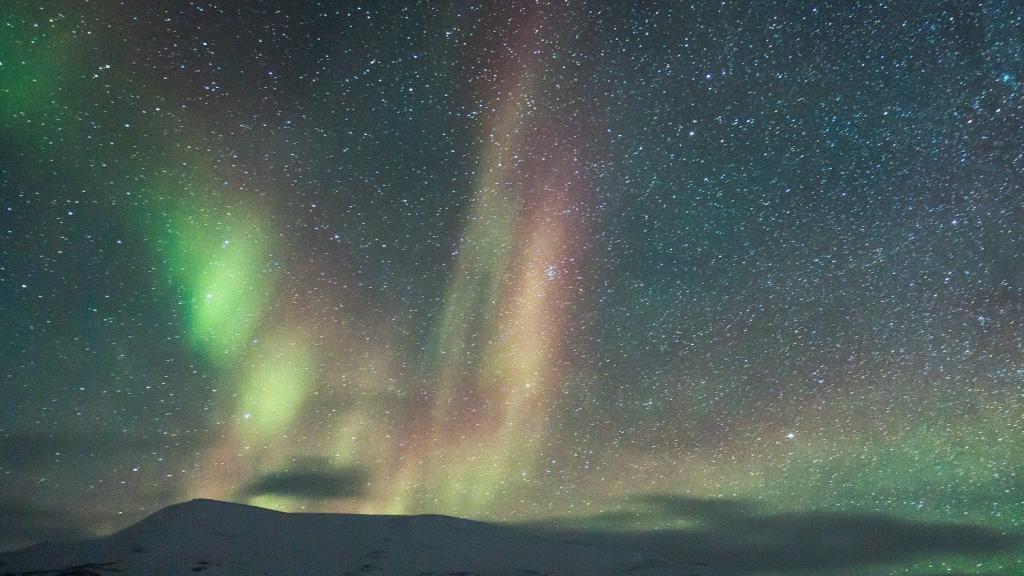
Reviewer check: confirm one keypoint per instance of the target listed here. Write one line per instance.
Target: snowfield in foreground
(212, 538)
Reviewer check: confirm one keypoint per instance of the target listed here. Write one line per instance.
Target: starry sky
(748, 276)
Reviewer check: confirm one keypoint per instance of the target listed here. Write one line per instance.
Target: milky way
(589, 264)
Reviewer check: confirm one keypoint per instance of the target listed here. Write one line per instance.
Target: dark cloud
(733, 535)
(311, 480)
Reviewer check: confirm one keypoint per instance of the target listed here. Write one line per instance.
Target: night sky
(730, 270)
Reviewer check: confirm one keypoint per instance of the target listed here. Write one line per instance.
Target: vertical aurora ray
(513, 261)
(484, 249)
(461, 465)
(500, 335)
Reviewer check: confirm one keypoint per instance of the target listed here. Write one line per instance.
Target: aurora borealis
(697, 267)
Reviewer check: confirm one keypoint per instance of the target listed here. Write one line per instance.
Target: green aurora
(587, 267)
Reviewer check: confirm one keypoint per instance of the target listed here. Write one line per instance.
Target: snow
(218, 538)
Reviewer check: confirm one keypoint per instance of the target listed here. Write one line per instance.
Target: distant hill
(212, 538)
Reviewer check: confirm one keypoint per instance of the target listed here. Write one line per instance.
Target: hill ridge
(221, 538)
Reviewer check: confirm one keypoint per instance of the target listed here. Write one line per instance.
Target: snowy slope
(218, 538)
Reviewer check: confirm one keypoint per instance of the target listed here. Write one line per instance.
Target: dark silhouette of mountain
(219, 538)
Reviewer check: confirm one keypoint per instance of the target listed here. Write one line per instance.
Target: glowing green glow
(274, 502)
(41, 80)
(29, 66)
(219, 260)
(272, 395)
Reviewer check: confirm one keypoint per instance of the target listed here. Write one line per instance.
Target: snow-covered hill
(213, 538)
